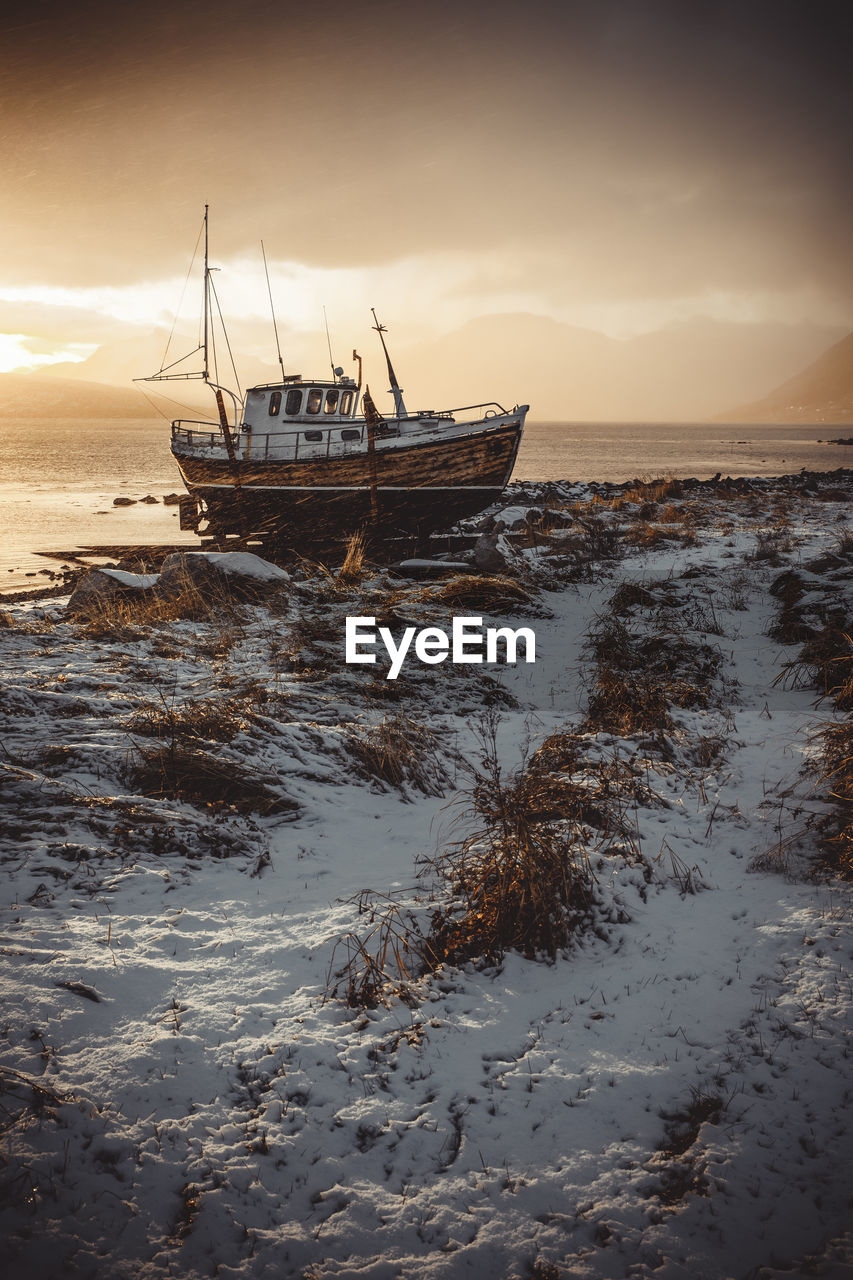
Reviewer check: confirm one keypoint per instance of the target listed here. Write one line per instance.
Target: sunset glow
(618, 169)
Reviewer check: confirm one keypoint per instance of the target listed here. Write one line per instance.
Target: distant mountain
(687, 372)
(823, 392)
(32, 395)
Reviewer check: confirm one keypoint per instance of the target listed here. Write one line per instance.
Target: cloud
(550, 157)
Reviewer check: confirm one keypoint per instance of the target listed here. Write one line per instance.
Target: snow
(139, 581)
(213, 1108)
(238, 562)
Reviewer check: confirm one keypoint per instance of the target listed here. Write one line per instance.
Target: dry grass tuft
(640, 675)
(400, 752)
(567, 778)
(127, 611)
(647, 535)
(354, 566)
(627, 703)
(836, 769)
(521, 880)
(825, 662)
(190, 774)
(518, 884)
(491, 594)
(213, 719)
(653, 490)
(367, 969)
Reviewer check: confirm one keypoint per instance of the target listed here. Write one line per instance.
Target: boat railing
(315, 442)
(285, 445)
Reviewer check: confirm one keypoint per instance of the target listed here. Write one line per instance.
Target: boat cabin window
(331, 401)
(275, 403)
(350, 433)
(293, 403)
(315, 399)
(313, 437)
(346, 403)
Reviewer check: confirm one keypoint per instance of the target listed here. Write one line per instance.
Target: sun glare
(17, 354)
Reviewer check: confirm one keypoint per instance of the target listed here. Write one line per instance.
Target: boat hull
(416, 488)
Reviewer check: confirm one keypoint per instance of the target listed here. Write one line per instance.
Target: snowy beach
(233, 1045)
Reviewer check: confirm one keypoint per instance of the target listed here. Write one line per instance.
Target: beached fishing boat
(304, 461)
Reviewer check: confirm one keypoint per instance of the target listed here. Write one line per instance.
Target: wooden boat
(308, 461)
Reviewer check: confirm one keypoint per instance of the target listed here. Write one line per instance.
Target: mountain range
(690, 372)
(823, 392)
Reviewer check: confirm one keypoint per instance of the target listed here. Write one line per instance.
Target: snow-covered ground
(184, 1094)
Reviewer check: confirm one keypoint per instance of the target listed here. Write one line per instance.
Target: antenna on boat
(335, 370)
(396, 389)
(272, 309)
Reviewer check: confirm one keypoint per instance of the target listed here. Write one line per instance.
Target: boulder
(240, 574)
(488, 557)
(103, 586)
(124, 502)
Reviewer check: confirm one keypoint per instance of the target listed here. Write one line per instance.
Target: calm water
(58, 477)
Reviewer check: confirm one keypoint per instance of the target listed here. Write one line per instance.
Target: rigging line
(154, 406)
(189, 408)
(164, 368)
(225, 336)
(181, 300)
(272, 309)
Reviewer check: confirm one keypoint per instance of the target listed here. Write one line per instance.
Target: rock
(422, 568)
(124, 502)
(240, 574)
(514, 517)
(171, 499)
(194, 581)
(554, 518)
(149, 498)
(102, 586)
(487, 555)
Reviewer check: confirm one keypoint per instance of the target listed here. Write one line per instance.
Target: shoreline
(148, 554)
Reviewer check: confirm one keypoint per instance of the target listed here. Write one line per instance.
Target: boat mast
(396, 389)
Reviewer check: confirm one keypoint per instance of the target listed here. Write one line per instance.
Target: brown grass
(825, 662)
(381, 961)
(469, 591)
(212, 719)
(640, 675)
(400, 752)
(521, 879)
(353, 568)
(653, 490)
(104, 617)
(836, 769)
(191, 774)
(519, 884)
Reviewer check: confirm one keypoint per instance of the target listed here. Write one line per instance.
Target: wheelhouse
(271, 406)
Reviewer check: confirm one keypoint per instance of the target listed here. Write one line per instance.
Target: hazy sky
(618, 164)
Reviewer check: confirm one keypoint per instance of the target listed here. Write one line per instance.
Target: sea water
(58, 477)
